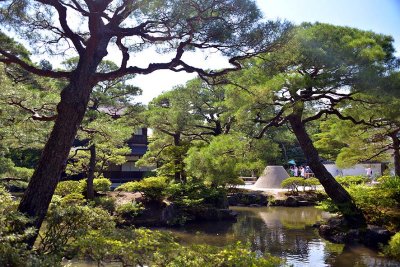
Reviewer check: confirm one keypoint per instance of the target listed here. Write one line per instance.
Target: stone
(304, 203)
(331, 234)
(291, 202)
(169, 214)
(233, 200)
(376, 235)
(337, 230)
(248, 199)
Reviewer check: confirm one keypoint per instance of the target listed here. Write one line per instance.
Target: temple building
(128, 171)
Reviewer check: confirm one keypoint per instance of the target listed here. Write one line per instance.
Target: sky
(381, 16)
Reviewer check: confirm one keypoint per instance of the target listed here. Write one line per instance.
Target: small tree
(227, 156)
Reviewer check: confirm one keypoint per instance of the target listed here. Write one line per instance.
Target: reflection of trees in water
(211, 233)
(360, 257)
(279, 231)
(283, 232)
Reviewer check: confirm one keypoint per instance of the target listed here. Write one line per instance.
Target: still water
(283, 232)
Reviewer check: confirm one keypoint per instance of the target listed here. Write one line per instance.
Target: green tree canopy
(319, 70)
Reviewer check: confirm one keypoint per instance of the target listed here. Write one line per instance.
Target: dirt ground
(124, 197)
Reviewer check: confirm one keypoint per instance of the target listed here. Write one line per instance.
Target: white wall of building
(358, 169)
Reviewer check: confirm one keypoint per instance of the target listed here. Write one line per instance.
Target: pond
(283, 232)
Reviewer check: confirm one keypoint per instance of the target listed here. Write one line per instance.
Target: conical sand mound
(271, 177)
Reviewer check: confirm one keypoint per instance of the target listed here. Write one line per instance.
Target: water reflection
(283, 232)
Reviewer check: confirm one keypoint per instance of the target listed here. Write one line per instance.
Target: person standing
(295, 171)
(291, 171)
(369, 172)
(302, 171)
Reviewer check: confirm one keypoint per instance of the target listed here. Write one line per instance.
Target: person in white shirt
(302, 171)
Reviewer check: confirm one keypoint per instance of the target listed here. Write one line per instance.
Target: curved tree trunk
(335, 191)
(396, 153)
(70, 112)
(179, 173)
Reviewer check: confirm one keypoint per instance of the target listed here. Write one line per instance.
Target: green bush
(16, 186)
(67, 220)
(378, 203)
(234, 255)
(393, 248)
(143, 247)
(21, 172)
(392, 184)
(196, 193)
(293, 183)
(384, 178)
(107, 203)
(152, 188)
(128, 211)
(68, 187)
(351, 180)
(101, 184)
(73, 199)
(13, 252)
(311, 182)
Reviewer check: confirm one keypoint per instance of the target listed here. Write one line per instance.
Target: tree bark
(334, 190)
(70, 113)
(37, 197)
(179, 174)
(396, 153)
(90, 176)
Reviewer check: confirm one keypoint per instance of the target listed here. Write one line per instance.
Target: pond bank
(253, 198)
(285, 232)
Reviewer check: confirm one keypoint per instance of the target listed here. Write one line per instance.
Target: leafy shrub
(129, 210)
(68, 219)
(68, 187)
(195, 193)
(73, 199)
(391, 184)
(378, 203)
(293, 183)
(152, 188)
(107, 203)
(384, 178)
(21, 172)
(143, 247)
(352, 180)
(209, 256)
(101, 184)
(13, 252)
(393, 248)
(16, 186)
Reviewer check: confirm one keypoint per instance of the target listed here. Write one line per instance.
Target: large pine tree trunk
(70, 112)
(396, 153)
(179, 174)
(334, 190)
